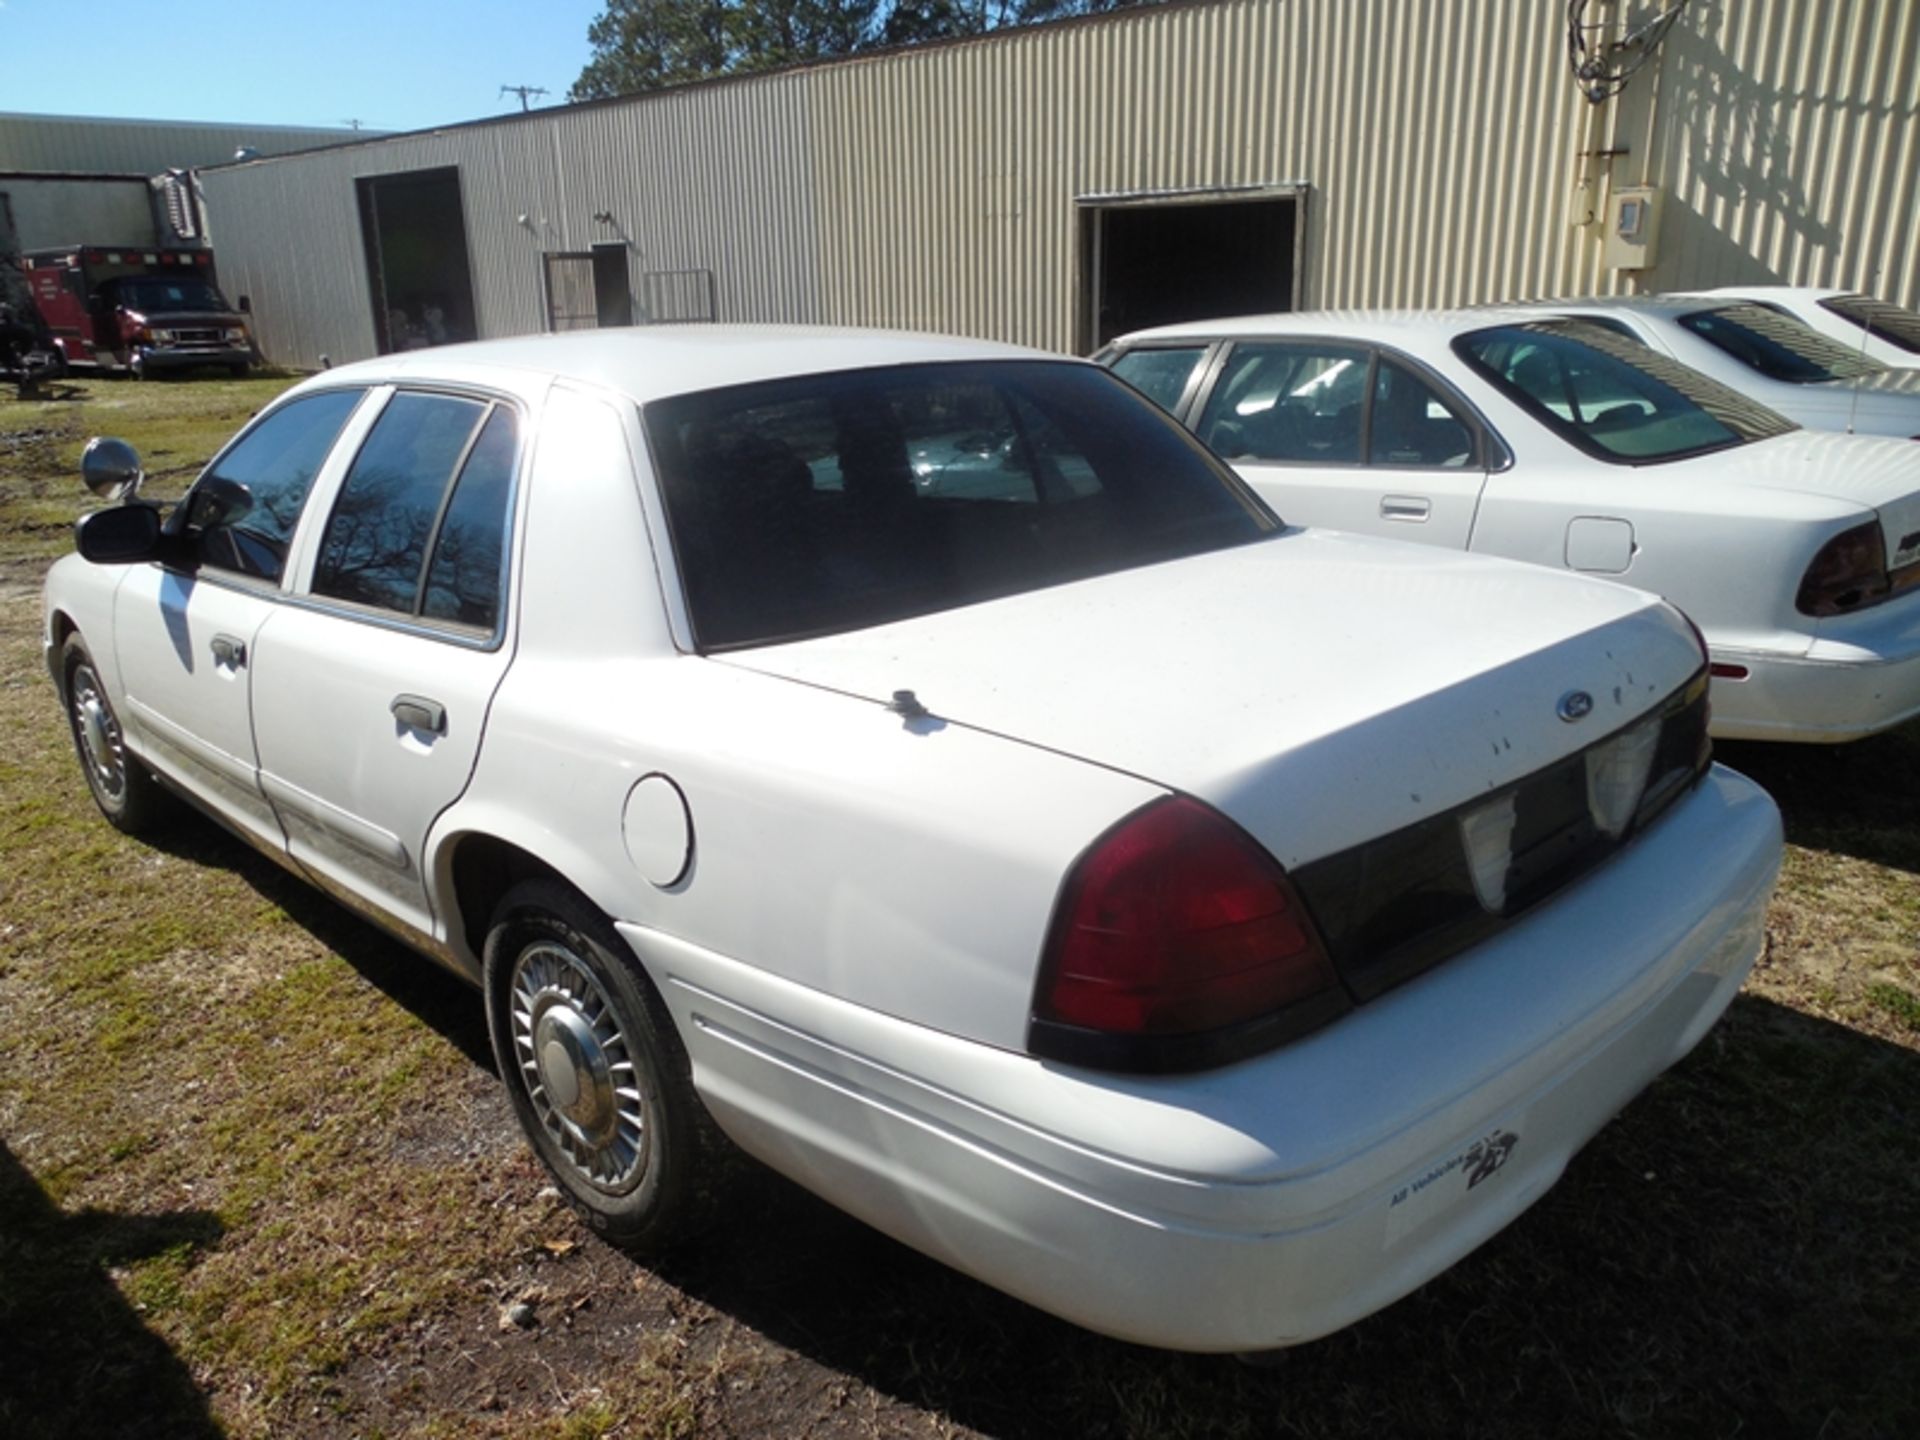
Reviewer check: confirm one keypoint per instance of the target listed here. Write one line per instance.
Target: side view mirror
(217, 500)
(124, 535)
(246, 304)
(111, 468)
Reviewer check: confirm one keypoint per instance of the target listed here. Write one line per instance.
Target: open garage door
(417, 272)
(1189, 255)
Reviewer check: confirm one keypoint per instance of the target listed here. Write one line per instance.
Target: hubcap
(578, 1066)
(99, 736)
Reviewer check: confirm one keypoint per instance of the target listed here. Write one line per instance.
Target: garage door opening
(415, 234)
(1156, 260)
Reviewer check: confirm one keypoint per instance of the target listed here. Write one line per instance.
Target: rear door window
(1412, 423)
(419, 526)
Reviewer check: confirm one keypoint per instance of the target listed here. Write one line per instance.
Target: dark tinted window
(1614, 398)
(1892, 323)
(247, 530)
(377, 537)
(833, 502)
(469, 557)
(1161, 373)
(1778, 346)
(1298, 401)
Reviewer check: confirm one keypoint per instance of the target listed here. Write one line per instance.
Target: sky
(390, 64)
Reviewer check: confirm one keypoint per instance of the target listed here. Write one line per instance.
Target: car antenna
(1866, 334)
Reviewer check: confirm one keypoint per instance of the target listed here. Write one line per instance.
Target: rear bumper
(1281, 1198)
(1858, 678)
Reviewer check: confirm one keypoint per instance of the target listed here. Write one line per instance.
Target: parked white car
(1878, 329)
(1812, 379)
(1205, 930)
(1565, 443)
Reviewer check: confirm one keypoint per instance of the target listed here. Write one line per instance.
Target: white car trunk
(1882, 473)
(1321, 689)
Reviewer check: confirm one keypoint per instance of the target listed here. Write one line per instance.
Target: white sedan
(1565, 443)
(1878, 329)
(1204, 929)
(1812, 379)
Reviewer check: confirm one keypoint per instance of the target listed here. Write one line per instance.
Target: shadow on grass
(1856, 799)
(435, 994)
(76, 1358)
(1733, 1254)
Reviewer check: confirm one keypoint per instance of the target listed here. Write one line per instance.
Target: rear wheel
(597, 1073)
(127, 794)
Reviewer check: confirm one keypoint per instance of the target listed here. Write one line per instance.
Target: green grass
(256, 1177)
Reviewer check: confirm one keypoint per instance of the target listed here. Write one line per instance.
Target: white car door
(186, 634)
(1334, 433)
(372, 691)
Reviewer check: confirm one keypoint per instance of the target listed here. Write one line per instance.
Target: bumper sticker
(1434, 1191)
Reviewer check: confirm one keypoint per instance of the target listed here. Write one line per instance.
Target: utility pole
(523, 91)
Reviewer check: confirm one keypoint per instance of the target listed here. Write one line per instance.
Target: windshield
(1892, 323)
(839, 501)
(1612, 396)
(1778, 346)
(152, 295)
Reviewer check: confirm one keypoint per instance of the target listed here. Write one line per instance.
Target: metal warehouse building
(1055, 185)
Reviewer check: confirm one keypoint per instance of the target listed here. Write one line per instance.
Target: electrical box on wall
(1633, 227)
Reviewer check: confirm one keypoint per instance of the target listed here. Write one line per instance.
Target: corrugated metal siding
(104, 146)
(1787, 136)
(937, 188)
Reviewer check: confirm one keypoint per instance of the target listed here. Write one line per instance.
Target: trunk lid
(1881, 474)
(1321, 689)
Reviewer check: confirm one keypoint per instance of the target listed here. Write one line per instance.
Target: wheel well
(485, 868)
(60, 626)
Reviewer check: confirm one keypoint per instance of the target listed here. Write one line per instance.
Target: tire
(240, 370)
(123, 788)
(567, 1008)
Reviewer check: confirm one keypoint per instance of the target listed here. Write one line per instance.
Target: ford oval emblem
(1574, 705)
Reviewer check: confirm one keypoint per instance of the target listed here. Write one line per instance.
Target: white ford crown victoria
(1562, 442)
(1203, 929)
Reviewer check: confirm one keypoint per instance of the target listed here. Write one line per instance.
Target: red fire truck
(139, 310)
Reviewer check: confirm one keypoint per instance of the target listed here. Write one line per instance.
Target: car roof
(649, 362)
(1358, 323)
(1400, 325)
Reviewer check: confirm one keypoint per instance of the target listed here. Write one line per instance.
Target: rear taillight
(1849, 572)
(1178, 943)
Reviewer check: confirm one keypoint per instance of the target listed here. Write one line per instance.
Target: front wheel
(130, 798)
(597, 1073)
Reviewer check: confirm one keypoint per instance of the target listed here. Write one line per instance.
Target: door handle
(1405, 507)
(417, 712)
(229, 651)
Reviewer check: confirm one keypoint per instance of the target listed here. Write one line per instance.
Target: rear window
(1613, 397)
(839, 501)
(1778, 346)
(1892, 323)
